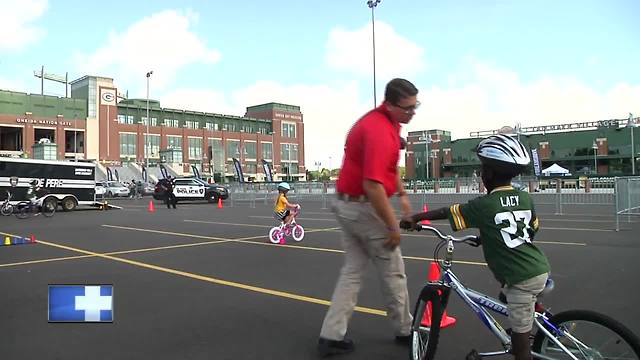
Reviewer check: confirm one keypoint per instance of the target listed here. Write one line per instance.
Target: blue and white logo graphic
(80, 303)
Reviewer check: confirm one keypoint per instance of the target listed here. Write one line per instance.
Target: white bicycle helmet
(504, 152)
(284, 186)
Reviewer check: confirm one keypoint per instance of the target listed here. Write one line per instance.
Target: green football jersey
(507, 222)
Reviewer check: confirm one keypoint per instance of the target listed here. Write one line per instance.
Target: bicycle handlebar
(472, 240)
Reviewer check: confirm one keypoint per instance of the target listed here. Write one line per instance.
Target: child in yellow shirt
(282, 205)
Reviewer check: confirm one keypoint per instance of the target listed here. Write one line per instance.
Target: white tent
(555, 170)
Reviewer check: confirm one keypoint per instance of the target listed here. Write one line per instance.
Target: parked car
(192, 188)
(100, 189)
(149, 188)
(115, 189)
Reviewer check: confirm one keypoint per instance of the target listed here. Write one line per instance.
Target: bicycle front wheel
(297, 232)
(49, 208)
(587, 335)
(23, 209)
(424, 337)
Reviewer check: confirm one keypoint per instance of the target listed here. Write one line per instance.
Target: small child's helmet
(283, 186)
(503, 153)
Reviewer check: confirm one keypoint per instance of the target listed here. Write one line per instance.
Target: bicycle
(24, 209)
(6, 208)
(572, 334)
(278, 233)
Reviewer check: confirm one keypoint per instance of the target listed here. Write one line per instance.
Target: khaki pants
(363, 236)
(521, 300)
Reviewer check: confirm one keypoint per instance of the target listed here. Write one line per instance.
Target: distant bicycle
(6, 208)
(46, 207)
(279, 233)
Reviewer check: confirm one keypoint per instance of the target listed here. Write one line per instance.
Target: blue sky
(479, 65)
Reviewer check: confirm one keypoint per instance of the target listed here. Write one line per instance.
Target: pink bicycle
(277, 234)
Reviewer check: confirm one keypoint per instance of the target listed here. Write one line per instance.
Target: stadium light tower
(147, 143)
(631, 125)
(372, 5)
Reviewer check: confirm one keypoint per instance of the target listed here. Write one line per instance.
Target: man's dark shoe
(328, 347)
(403, 340)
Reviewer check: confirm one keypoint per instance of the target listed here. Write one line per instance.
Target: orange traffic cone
(152, 207)
(434, 275)
(425, 208)
(220, 206)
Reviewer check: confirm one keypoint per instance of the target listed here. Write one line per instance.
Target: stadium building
(598, 148)
(98, 123)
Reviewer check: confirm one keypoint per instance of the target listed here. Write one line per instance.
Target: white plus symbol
(92, 303)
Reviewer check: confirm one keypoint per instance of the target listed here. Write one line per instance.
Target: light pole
(75, 136)
(318, 164)
(372, 5)
(147, 146)
(427, 140)
(595, 160)
(630, 125)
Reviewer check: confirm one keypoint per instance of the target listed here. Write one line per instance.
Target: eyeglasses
(409, 109)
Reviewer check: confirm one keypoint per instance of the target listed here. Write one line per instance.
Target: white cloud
(491, 98)
(16, 18)
(396, 56)
(162, 42)
(12, 85)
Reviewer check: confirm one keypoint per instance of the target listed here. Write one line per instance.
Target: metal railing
(627, 198)
(621, 194)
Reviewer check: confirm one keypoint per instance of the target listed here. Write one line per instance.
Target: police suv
(193, 188)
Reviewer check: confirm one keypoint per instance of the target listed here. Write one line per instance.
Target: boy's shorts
(521, 299)
(283, 214)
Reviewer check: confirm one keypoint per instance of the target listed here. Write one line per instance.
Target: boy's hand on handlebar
(408, 223)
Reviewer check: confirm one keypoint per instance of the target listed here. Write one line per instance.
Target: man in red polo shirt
(368, 178)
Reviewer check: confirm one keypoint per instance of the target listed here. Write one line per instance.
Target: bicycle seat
(548, 287)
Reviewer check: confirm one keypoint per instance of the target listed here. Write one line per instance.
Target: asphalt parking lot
(204, 283)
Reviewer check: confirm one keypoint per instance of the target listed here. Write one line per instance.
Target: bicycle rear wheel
(275, 235)
(424, 339)
(7, 209)
(588, 335)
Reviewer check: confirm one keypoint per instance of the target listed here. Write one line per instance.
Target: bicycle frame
(293, 213)
(478, 302)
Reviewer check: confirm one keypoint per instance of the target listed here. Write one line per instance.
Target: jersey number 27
(516, 232)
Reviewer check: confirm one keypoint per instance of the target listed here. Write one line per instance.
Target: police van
(193, 188)
(65, 183)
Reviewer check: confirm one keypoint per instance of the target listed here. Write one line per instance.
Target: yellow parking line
(169, 232)
(212, 280)
(253, 225)
(246, 240)
(574, 229)
(226, 223)
(112, 253)
(305, 219)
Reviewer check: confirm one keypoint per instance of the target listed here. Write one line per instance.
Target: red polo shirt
(371, 152)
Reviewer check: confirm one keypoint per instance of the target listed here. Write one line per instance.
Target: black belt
(353, 198)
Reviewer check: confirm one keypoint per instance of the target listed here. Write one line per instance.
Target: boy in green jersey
(507, 223)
